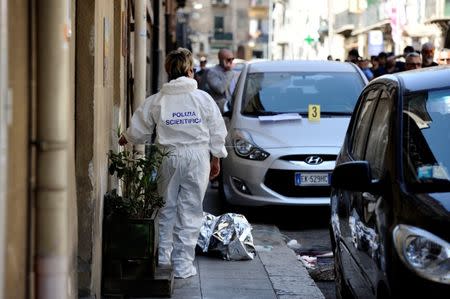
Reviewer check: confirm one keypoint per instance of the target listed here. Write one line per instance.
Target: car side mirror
(353, 176)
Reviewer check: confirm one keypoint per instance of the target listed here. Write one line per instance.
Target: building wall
(17, 152)
(201, 26)
(104, 64)
(4, 122)
(95, 66)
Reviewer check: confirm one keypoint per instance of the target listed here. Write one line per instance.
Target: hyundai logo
(313, 160)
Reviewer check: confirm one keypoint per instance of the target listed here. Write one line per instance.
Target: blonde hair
(178, 63)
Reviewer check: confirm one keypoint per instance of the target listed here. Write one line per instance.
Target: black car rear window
(283, 92)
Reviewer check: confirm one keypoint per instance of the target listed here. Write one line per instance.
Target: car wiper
(335, 113)
(303, 113)
(264, 113)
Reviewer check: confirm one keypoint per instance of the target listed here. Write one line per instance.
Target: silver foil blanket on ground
(229, 235)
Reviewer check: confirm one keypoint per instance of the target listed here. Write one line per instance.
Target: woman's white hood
(179, 86)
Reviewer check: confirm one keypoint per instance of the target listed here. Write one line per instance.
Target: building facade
(71, 74)
(241, 26)
(373, 26)
(314, 30)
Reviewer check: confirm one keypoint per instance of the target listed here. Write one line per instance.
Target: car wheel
(342, 290)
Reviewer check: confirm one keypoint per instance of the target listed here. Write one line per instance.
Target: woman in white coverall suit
(189, 125)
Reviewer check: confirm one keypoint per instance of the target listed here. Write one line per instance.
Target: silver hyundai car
(286, 124)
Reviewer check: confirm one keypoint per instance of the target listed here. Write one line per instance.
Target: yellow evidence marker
(314, 112)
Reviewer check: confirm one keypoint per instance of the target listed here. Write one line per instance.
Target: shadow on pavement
(286, 217)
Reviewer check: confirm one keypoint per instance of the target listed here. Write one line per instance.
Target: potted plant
(130, 234)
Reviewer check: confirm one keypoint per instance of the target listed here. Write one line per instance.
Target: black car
(390, 198)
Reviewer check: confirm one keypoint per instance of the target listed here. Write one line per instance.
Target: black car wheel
(342, 290)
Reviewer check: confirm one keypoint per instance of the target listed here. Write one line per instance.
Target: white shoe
(190, 273)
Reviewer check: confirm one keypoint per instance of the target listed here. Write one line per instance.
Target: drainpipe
(155, 46)
(53, 100)
(140, 52)
(4, 111)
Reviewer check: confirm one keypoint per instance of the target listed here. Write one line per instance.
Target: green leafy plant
(137, 175)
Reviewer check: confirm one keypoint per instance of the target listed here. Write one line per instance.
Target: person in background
(374, 63)
(353, 56)
(413, 61)
(219, 79)
(391, 63)
(364, 65)
(444, 56)
(428, 55)
(381, 70)
(199, 73)
(190, 128)
(399, 64)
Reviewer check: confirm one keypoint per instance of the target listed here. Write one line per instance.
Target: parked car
(278, 152)
(390, 199)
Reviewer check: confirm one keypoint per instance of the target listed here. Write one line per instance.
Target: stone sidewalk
(274, 273)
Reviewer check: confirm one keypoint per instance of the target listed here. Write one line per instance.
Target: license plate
(312, 179)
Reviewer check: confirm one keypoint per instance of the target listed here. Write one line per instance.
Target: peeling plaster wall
(96, 121)
(17, 174)
(84, 140)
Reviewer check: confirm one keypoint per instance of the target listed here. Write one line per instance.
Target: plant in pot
(130, 234)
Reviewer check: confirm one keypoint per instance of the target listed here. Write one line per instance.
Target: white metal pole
(140, 52)
(53, 100)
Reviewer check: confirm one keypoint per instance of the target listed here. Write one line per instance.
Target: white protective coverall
(189, 125)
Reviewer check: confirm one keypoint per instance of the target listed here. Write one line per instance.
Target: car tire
(342, 290)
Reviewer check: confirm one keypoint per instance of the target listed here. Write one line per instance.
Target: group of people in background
(389, 63)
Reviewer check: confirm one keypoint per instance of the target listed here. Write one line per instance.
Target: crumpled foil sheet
(229, 235)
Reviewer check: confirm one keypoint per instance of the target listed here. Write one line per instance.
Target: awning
(379, 25)
(419, 30)
(442, 22)
(345, 30)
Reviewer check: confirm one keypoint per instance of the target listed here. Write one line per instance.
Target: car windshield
(284, 92)
(426, 139)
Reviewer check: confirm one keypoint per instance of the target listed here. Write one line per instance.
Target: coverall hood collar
(180, 85)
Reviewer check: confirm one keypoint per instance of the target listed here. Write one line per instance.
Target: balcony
(223, 36)
(220, 2)
(373, 15)
(438, 12)
(344, 22)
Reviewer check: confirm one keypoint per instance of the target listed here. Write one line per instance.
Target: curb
(289, 277)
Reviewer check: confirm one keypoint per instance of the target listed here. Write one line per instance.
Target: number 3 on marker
(314, 112)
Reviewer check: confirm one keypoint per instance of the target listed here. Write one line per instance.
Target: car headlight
(245, 147)
(422, 252)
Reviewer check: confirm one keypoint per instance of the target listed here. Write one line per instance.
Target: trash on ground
(310, 262)
(320, 265)
(228, 235)
(326, 254)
